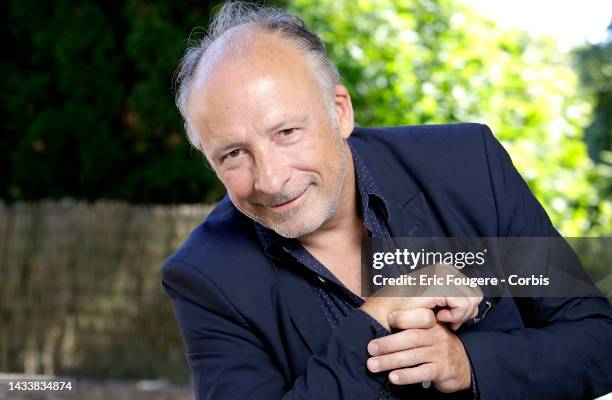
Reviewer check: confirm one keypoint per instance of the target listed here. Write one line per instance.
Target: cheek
(326, 156)
(238, 183)
(309, 154)
(319, 157)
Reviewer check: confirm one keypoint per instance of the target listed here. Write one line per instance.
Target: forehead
(247, 53)
(251, 83)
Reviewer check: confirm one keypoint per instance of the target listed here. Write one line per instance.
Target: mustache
(277, 199)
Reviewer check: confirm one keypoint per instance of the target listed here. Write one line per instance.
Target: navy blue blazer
(253, 328)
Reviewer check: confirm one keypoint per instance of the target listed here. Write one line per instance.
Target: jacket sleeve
(229, 361)
(565, 350)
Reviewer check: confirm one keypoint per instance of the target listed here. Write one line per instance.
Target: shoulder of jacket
(224, 247)
(419, 134)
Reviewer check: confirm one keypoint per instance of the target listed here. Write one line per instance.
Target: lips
(290, 203)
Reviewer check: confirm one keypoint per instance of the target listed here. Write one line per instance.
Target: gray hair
(273, 20)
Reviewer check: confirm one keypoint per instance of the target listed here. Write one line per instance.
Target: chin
(294, 230)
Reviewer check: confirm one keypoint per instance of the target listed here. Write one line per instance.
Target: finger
(475, 310)
(465, 290)
(403, 340)
(410, 319)
(459, 309)
(456, 307)
(400, 359)
(408, 376)
(431, 302)
(447, 316)
(459, 317)
(468, 304)
(444, 315)
(455, 325)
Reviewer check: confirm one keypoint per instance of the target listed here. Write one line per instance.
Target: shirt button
(426, 384)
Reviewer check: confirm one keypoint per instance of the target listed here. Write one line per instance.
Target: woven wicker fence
(80, 289)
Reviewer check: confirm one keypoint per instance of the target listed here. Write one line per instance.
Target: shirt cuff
(379, 330)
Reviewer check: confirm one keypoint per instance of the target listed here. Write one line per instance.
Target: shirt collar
(368, 189)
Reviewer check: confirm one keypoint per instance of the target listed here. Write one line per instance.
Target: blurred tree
(436, 61)
(88, 104)
(594, 62)
(59, 91)
(163, 167)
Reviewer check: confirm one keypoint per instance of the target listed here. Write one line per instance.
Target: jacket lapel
(410, 218)
(305, 310)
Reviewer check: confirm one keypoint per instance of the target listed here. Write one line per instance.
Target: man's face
(264, 127)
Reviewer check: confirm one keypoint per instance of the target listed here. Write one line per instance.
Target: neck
(346, 227)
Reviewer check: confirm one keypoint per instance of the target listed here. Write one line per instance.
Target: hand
(458, 310)
(383, 309)
(459, 303)
(425, 350)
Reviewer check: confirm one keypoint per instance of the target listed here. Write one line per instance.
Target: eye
(232, 154)
(287, 132)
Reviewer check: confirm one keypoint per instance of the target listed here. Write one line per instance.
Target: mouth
(291, 203)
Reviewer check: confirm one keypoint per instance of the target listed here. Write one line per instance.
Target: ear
(344, 110)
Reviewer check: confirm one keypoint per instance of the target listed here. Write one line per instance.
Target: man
(267, 290)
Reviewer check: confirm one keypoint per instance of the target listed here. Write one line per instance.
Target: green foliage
(594, 62)
(426, 61)
(88, 109)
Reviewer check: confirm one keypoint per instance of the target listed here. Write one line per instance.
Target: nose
(271, 172)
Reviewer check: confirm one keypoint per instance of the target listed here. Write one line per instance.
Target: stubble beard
(292, 230)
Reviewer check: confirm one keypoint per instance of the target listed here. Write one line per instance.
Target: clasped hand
(424, 349)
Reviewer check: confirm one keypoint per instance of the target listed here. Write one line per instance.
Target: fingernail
(393, 377)
(373, 348)
(374, 364)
